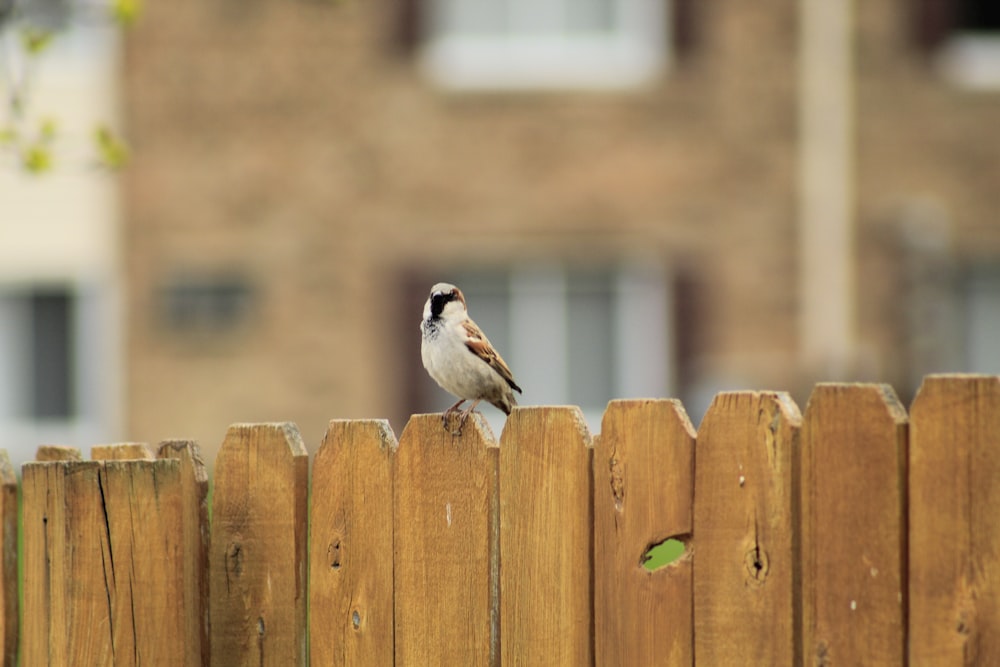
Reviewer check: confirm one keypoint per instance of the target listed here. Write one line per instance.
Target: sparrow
(459, 357)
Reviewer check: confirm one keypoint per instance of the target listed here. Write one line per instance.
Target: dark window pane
(51, 336)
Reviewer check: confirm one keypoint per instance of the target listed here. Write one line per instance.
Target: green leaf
(8, 136)
(36, 159)
(125, 12)
(47, 129)
(112, 151)
(35, 40)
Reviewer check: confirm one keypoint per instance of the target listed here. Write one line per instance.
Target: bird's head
(445, 299)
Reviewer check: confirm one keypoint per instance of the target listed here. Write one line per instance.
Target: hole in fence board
(662, 554)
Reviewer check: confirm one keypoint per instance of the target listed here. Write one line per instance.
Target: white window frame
(971, 60)
(634, 54)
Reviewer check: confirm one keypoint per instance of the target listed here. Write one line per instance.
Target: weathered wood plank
(8, 568)
(955, 522)
(746, 567)
(445, 535)
(643, 471)
(194, 558)
(145, 583)
(66, 542)
(57, 453)
(546, 545)
(350, 556)
(853, 526)
(103, 563)
(123, 451)
(257, 552)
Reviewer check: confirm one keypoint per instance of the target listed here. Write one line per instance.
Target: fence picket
(142, 504)
(745, 492)
(350, 557)
(57, 453)
(49, 617)
(847, 536)
(546, 546)
(954, 527)
(104, 551)
(194, 559)
(444, 525)
(853, 523)
(257, 554)
(643, 471)
(8, 568)
(121, 452)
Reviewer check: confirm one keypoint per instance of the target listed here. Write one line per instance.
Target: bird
(460, 358)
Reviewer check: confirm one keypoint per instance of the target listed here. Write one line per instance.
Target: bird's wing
(480, 346)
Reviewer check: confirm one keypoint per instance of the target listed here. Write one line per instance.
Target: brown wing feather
(480, 346)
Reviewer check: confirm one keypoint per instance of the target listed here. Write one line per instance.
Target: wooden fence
(852, 535)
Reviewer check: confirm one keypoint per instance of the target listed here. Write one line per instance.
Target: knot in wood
(757, 564)
(234, 558)
(333, 551)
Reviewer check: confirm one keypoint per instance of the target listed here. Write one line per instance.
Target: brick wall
(295, 146)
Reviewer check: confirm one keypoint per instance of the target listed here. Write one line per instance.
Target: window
(206, 304)
(59, 367)
(575, 336)
(36, 347)
(544, 44)
(982, 321)
(47, 14)
(970, 54)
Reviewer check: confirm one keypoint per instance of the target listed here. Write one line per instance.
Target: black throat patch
(439, 301)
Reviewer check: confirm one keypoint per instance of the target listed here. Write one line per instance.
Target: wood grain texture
(49, 616)
(121, 452)
(257, 553)
(8, 567)
(445, 544)
(103, 563)
(57, 453)
(194, 559)
(643, 469)
(955, 522)
(546, 545)
(746, 564)
(853, 526)
(145, 583)
(350, 557)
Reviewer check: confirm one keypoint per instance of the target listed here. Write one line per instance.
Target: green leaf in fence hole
(662, 554)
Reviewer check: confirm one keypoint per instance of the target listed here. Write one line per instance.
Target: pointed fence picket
(850, 534)
(744, 525)
(643, 495)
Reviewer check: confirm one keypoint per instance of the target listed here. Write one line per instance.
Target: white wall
(62, 228)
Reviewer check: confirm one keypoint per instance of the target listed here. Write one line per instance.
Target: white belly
(458, 370)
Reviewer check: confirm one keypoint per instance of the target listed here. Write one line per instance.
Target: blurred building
(639, 197)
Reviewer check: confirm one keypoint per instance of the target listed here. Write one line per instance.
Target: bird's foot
(463, 416)
(456, 430)
(446, 417)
